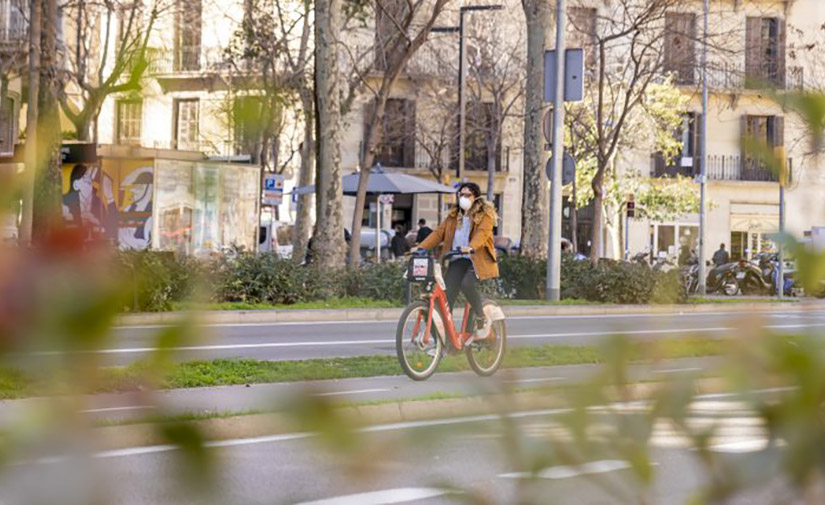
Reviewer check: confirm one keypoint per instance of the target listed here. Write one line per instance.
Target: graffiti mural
(111, 200)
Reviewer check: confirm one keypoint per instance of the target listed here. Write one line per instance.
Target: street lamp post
(553, 281)
(462, 77)
(703, 177)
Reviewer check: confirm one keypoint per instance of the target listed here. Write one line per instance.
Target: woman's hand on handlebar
(466, 250)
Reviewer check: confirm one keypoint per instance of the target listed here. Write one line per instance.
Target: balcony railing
(732, 77)
(13, 36)
(187, 61)
(720, 168)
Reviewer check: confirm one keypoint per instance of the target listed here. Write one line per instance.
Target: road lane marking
(568, 472)
(137, 451)
(528, 381)
(620, 332)
(264, 345)
(354, 392)
(393, 322)
(386, 497)
(117, 409)
(679, 370)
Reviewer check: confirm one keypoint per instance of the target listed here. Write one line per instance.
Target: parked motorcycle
(750, 278)
(721, 279)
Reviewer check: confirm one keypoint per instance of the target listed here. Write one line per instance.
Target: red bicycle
(426, 331)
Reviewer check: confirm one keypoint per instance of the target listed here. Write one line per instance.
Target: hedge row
(162, 279)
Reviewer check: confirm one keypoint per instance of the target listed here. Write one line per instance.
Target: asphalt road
(295, 341)
(404, 463)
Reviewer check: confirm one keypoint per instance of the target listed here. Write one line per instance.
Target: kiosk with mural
(166, 200)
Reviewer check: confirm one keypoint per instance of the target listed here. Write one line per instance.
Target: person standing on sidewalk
(721, 257)
(468, 228)
(423, 231)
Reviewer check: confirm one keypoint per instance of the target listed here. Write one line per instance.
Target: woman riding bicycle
(468, 228)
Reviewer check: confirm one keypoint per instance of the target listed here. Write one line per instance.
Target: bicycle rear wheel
(485, 356)
(418, 358)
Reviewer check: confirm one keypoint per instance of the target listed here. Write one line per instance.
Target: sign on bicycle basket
(421, 269)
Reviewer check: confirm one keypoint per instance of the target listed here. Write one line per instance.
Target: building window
(188, 35)
(479, 124)
(12, 20)
(687, 162)
(7, 126)
(582, 32)
(396, 141)
(186, 124)
(765, 51)
(680, 46)
(246, 125)
(765, 130)
(129, 120)
(389, 41)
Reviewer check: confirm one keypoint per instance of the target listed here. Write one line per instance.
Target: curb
(113, 438)
(230, 317)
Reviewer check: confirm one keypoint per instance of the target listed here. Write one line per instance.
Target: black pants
(461, 276)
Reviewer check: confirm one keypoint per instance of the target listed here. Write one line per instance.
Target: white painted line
(793, 326)
(679, 370)
(620, 332)
(386, 497)
(392, 322)
(528, 381)
(117, 409)
(741, 446)
(135, 451)
(568, 472)
(139, 350)
(355, 392)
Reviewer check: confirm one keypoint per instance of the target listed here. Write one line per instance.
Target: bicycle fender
(493, 312)
(438, 322)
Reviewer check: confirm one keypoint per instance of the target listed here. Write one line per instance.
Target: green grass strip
(224, 372)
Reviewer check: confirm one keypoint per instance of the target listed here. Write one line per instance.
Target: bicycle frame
(437, 300)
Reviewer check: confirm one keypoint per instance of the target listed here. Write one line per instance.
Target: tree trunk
(305, 177)
(48, 186)
(329, 248)
(535, 203)
(26, 222)
(491, 167)
(598, 219)
(367, 161)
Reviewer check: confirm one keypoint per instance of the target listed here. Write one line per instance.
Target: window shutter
(778, 131)
(689, 62)
(697, 143)
(409, 133)
(743, 135)
(753, 48)
(369, 110)
(781, 36)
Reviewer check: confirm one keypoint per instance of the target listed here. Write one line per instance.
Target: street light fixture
(462, 76)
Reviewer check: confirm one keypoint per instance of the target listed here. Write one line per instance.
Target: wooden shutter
(697, 142)
(409, 133)
(743, 135)
(778, 139)
(369, 110)
(753, 48)
(781, 41)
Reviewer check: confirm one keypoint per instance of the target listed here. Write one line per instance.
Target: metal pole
(780, 283)
(554, 252)
(626, 235)
(462, 95)
(703, 217)
(378, 228)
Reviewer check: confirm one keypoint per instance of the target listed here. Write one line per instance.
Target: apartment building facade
(764, 44)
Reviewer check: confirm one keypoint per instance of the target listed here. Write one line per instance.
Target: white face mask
(465, 203)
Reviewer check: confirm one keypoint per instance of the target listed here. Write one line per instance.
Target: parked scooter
(769, 265)
(750, 279)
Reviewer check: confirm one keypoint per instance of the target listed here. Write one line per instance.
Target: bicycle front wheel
(485, 356)
(418, 356)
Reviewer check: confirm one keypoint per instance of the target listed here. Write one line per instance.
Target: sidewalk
(234, 317)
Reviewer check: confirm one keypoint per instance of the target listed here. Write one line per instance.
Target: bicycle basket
(421, 269)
